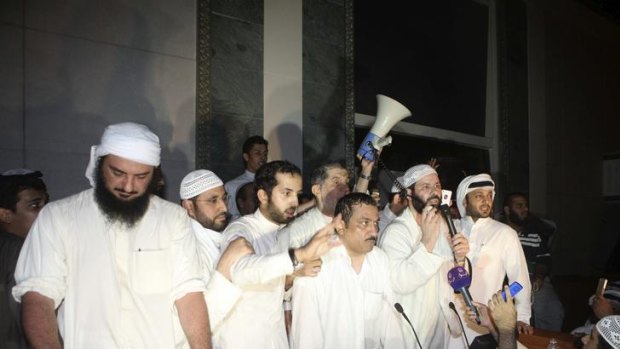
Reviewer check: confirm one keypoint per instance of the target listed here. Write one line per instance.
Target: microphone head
(458, 278)
(444, 208)
(452, 306)
(399, 308)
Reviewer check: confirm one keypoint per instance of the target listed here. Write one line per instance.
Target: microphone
(399, 308)
(451, 305)
(445, 212)
(460, 280)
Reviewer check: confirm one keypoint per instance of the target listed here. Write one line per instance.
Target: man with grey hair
(495, 250)
(421, 253)
(117, 263)
(329, 182)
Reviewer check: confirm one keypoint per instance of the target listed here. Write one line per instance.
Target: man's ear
(506, 210)
(262, 196)
(189, 206)
(6, 215)
(316, 190)
(340, 227)
(246, 157)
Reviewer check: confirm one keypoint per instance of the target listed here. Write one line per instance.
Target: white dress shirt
(340, 308)
(115, 287)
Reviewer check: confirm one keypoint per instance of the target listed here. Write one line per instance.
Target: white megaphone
(389, 112)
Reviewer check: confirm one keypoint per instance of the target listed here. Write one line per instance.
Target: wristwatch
(291, 254)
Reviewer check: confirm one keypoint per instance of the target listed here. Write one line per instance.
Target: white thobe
(257, 320)
(117, 285)
(340, 308)
(420, 283)
(221, 294)
(386, 216)
(298, 232)
(231, 188)
(494, 252)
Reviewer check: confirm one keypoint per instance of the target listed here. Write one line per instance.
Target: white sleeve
(221, 296)
(253, 269)
(187, 273)
(306, 330)
(42, 265)
(411, 264)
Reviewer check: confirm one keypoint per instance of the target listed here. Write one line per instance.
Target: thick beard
(276, 215)
(514, 218)
(128, 213)
(419, 204)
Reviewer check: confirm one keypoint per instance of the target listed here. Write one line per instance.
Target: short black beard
(514, 218)
(127, 213)
(419, 205)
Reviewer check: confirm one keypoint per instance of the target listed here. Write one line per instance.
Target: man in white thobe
(395, 207)
(203, 197)
(350, 303)
(257, 320)
(254, 152)
(495, 252)
(421, 253)
(330, 182)
(118, 263)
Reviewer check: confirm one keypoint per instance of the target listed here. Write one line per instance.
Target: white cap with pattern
(609, 329)
(415, 173)
(197, 182)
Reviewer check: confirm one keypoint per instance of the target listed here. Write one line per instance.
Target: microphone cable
(460, 322)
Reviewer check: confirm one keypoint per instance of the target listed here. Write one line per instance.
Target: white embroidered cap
(609, 329)
(197, 182)
(396, 189)
(416, 172)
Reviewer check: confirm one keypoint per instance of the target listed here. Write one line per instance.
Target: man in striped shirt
(535, 234)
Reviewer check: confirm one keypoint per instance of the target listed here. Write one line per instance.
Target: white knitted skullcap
(415, 173)
(469, 184)
(197, 182)
(396, 189)
(609, 329)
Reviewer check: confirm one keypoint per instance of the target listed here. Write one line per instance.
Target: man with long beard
(257, 320)
(421, 253)
(495, 251)
(118, 263)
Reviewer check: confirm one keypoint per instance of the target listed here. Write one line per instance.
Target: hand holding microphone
(459, 279)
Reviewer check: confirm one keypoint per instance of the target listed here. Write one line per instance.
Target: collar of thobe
(212, 234)
(468, 222)
(249, 174)
(264, 221)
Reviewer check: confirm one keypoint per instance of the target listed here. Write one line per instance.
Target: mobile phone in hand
(602, 285)
(515, 287)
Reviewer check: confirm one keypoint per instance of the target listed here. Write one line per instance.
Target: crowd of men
(240, 266)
